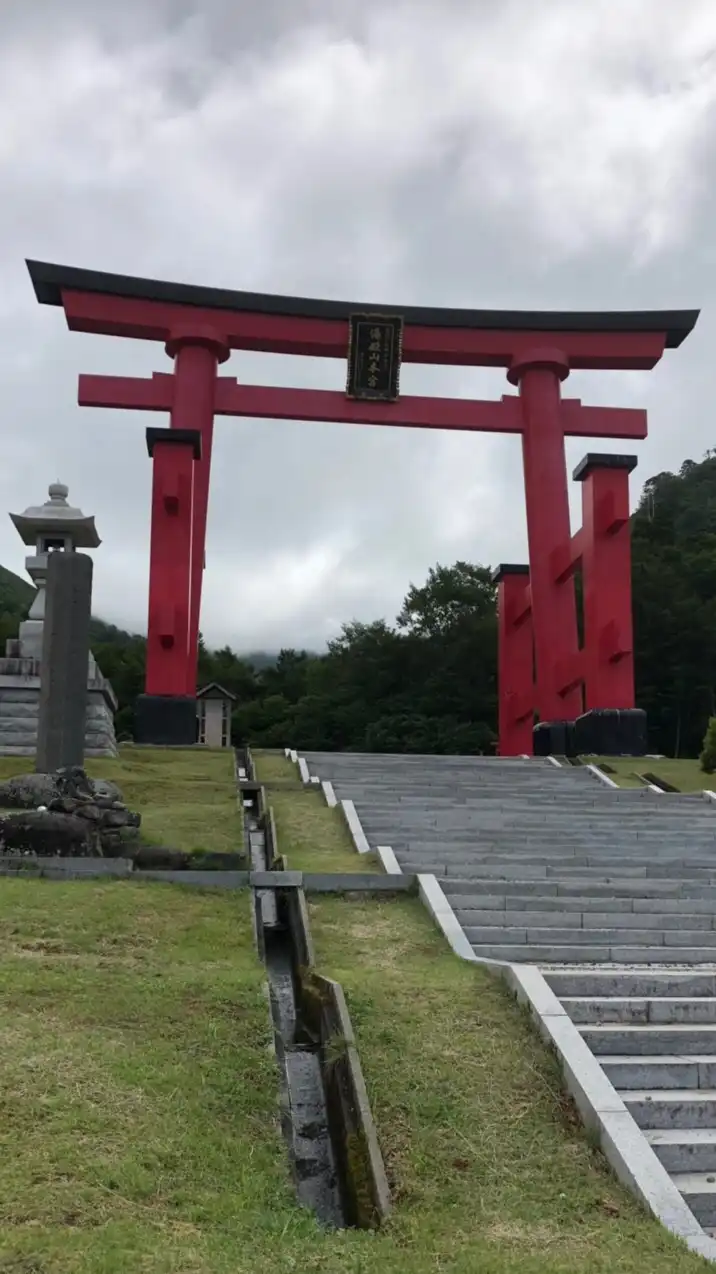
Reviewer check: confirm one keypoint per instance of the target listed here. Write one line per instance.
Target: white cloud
(514, 154)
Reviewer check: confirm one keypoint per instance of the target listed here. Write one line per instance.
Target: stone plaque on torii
(200, 326)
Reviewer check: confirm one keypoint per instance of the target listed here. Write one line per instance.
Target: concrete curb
(71, 868)
(303, 770)
(433, 899)
(708, 795)
(599, 774)
(389, 861)
(333, 882)
(200, 879)
(552, 760)
(358, 836)
(328, 794)
(358, 1096)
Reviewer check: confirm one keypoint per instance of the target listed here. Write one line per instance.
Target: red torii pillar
(199, 326)
(515, 660)
(605, 554)
(539, 373)
(606, 662)
(175, 455)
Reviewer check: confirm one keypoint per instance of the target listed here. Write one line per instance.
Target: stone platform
(20, 701)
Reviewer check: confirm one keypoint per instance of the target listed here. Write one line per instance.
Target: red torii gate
(200, 326)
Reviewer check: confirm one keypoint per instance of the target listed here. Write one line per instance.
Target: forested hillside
(428, 682)
(674, 575)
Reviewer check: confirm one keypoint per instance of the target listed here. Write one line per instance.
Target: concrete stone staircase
(611, 892)
(654, 1033)
(542, 864)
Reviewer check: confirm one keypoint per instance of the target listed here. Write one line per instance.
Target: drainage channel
(304, 1110)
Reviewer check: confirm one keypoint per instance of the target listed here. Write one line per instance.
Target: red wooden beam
(278, 403)
(409, 412)
(155, 393)
(602, 422)
(328, 338)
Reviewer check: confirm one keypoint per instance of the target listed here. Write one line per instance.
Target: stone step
(510, 805)
(481, 870)
(684, 1150)
(627, 920)
(560, 953)
(605, 937)
(514, 809)
(661, 1073)
(645, 856)
(586, 876)
(492, 901)
(534, 819)
(650, 1039)
(606, 982)
(567, 887)
(699, 1192)
(585, 1010)
(560, 843)
(538, 953)
(545, 953)
(672, 1108)
(553, 903)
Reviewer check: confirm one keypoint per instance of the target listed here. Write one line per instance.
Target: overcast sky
(516, 153)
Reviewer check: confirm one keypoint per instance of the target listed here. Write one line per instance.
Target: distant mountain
(260, 659)
(16, 595)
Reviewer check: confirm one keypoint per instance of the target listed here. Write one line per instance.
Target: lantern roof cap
(58, 515)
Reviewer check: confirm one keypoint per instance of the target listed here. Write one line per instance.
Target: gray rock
(91, 812)
(70, 793)
(46, 835)
(107, 790)
(27, 791)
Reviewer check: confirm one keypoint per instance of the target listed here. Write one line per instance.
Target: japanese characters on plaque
(375, 350)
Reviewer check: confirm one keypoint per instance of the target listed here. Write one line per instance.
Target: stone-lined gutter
(602, 1110)
(327, 1120)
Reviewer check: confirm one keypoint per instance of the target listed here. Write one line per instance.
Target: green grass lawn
(320, 840)
(687, 775)
(186, 798)
(277, 772)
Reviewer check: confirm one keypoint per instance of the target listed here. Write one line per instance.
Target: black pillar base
(165, 720)
(554, 738)
(611, 732)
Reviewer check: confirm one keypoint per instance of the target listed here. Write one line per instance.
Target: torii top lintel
(144, 309)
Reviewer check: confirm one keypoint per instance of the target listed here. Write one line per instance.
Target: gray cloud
(496, 154)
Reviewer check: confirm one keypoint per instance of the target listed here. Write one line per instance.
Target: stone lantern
(53, 527)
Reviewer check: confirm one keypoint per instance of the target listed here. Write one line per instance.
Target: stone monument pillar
(62, 712)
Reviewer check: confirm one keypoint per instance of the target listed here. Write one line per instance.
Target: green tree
(707, 758)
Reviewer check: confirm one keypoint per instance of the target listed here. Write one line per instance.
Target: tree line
(428, 681)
